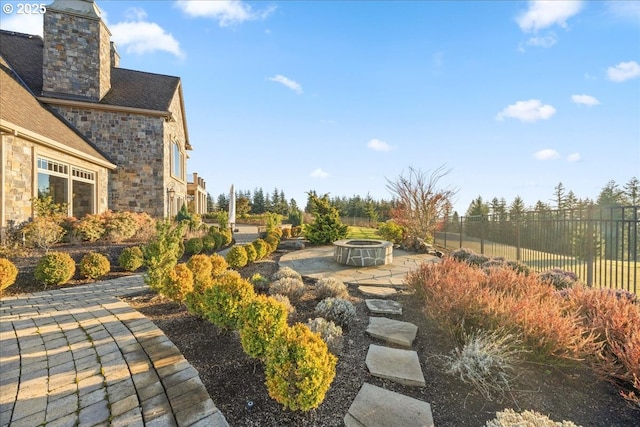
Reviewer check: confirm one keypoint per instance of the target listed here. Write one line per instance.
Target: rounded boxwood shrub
(262, 320)
(339, 310)
(55, 268)
(237, 257)
(131, 258)
(208, 244)
(290, 287)
(299, 368)
(193, 246)
(94, 265)
(200, 265)
(8, 274)
(217, 237)
(251, 253)
(218, 265)
(261, 248)
(225, 300)
(179, 283)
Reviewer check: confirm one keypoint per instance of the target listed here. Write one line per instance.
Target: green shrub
(217, 237)
(94, 265)
(330, 333)
(299, 369)
(226, 237)
(272, 242)
(193, 246)
(55, 268)
(339, 310)
(330, 287)
(179, 283)
(208, 244)
(286, 272)
(259, 282)
(131, 258)
(237, 257)
(162, 253)
(290, 287)
(262, 320)
(201, 267)
(218, 265)
(225, 300)
(8, 274)
(326, 227)
(261, 248)
(251, 253)
(391, 231)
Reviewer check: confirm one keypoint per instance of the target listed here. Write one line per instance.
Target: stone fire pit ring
(363, 252)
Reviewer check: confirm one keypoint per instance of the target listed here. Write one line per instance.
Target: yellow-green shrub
(237, 257)
(94, 265)
(299, 368)
(200, 265)
(262, 320)
(180, 283)
(251, 252)
(224, 301)
(193, 246)
(261, 248)
(272, 241)
(55, 268)
(218, 265)
(8, 274)
(131, 258)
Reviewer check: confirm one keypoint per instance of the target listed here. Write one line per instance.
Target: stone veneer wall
(77, 55)
(174, 131)
(19, 172)
(135, 143)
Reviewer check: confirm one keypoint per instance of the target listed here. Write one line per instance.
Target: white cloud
(546, 154)
(624, 10)
(377, 145)
(544, 13)
(624, 71)
(135, 14)
(291, 84)
(226, 12)
(527, 111)
(575, 157)
(140, 37)
(26, 24)
(319, 173)
(584, 100)
(543, 41)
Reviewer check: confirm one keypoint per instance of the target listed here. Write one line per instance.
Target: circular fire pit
(363, 252)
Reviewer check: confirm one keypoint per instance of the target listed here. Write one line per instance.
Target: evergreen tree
(632, 191)
(258, 201)
(611, 195)
(326, 227)
(559, 196)
(223, 202)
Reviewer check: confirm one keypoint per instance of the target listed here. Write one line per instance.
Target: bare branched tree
(420, 202)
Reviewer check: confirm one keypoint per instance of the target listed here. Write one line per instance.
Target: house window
(177, 161)
(60, 180)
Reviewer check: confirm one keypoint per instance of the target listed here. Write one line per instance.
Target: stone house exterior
(130, 124)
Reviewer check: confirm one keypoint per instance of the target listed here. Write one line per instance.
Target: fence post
(589, 257)
(482, 234)
(460, 233)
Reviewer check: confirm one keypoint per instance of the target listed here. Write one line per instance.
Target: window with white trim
(177, 161)
(59, 180)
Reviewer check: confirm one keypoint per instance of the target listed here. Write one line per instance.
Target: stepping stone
(382, 306)
(377, 291)
(394, 364)
(377, 407)
(393, 331)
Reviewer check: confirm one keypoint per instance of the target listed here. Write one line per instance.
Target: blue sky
(338, 97)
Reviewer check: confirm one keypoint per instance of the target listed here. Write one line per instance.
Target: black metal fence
(601, 245)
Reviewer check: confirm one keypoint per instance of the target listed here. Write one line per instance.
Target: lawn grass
(355, 232)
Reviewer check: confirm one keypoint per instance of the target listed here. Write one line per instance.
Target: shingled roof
(22, 113)
(129, 88)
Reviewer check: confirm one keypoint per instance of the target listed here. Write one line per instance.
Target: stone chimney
(115, 56)
(77, 51)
